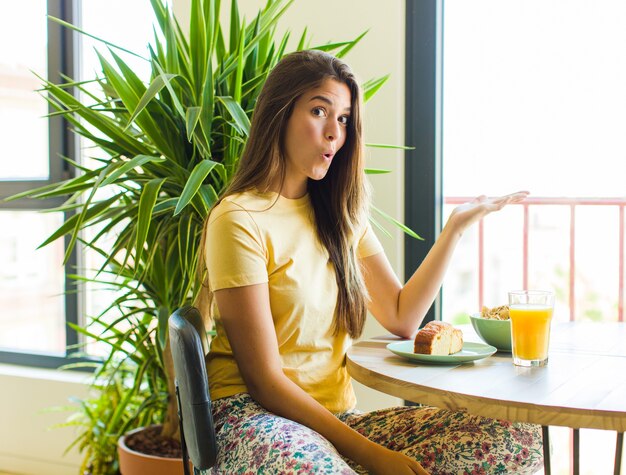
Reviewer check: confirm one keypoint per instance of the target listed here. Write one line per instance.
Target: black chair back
(189, 345)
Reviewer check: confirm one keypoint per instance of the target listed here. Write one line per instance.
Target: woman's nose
(332, 132)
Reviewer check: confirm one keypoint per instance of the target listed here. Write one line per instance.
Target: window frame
(63, 50)
(423, 190)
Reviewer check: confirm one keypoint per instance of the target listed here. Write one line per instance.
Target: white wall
(26, 444)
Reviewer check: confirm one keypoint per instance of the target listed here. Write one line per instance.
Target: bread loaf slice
(438, 338)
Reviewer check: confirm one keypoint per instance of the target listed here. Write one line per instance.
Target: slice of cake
(438, 338)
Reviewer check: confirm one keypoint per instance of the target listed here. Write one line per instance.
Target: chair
(189, 345)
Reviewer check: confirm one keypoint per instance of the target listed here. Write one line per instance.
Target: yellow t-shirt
(253, 238)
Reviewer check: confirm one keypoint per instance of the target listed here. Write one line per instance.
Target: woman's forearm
(422, 288)
(284, 398)
(401, 309)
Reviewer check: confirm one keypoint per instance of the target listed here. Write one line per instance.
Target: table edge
(547, 415)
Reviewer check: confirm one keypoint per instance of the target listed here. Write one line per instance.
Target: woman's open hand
(463, 216)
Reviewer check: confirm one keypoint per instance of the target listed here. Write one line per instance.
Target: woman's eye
(344, 119)
(318, 111)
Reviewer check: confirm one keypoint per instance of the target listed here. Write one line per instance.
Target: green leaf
(252, 61)
(270, 18)
(265, 45)
(213, 25)
(165, 206)
(240, 67)
(208, 104)
(75, 28)
(376, 171)
(251, 84)
(222, 173)
(83, 215)
(197, 42)
(155, 87)
(397, 223)
(121, 406)
(395, 147)
(168, 85)
(242, 122)
(160, 13)
(283, 45)
(192, 186)
(163, 317)
(193, 114)
(128, 85)
(379, 227)
(184, 241)
(135, 162)
(81, 182)
(146, 205)
(235, 25)
(302, 43)
(172, 45)
(350, 45)
(209, 195)
(372, 86)
(220, 46)
(331, 46)
(103, 123)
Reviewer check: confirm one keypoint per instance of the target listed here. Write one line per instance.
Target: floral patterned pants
(254, 441)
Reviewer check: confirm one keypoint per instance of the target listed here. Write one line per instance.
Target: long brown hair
(340, 199)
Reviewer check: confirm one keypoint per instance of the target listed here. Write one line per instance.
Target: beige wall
(26, 444)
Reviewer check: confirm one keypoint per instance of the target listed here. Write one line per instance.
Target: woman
(293, 267)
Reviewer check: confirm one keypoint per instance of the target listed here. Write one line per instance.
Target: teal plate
(470, 352)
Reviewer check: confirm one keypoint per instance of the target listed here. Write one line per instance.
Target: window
(540, 108)
(34, 305)
(505, 95)
(25, 135)
(493, 85)
(36, 296)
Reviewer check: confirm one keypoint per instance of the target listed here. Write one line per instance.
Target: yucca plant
(171, 144)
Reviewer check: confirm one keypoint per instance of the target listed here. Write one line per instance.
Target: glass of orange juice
(531, 314)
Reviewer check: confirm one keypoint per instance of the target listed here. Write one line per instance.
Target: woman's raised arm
(401, 309)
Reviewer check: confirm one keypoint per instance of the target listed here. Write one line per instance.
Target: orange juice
(530, 330)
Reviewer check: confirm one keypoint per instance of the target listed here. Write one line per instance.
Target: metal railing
(572, 203)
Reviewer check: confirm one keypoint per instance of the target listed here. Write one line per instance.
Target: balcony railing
(572, 204)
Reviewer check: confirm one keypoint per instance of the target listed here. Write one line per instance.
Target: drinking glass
(531, 315)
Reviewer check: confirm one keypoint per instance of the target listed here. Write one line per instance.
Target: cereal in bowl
(495, 313)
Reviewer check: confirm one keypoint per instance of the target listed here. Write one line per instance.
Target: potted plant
(170, 146)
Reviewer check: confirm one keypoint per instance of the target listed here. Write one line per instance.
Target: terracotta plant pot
(136, 463)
